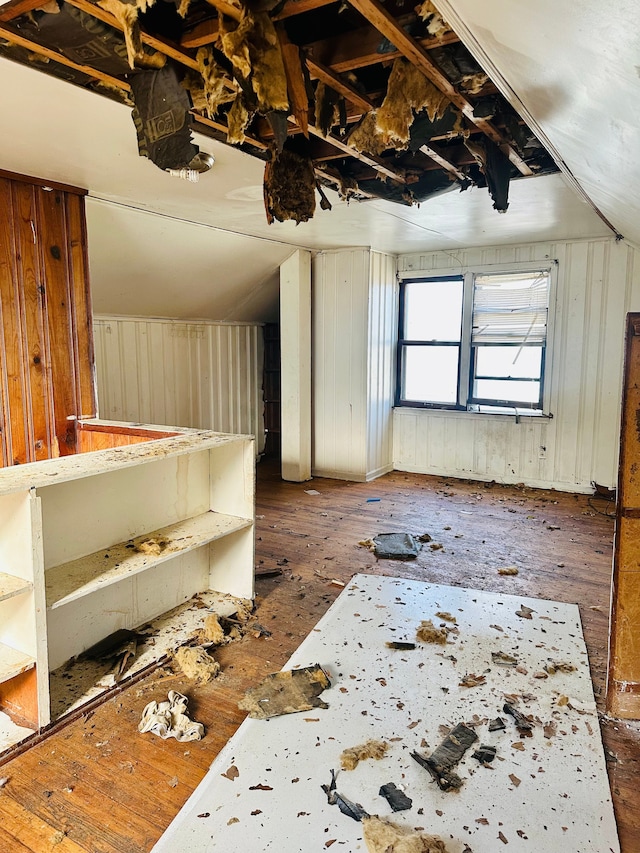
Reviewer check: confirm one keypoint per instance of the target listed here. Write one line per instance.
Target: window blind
(510, 308)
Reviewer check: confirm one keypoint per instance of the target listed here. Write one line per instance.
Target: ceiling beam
(377, 15)
(15, 8)
(297, 7)
(228, 9)
(202, 34)
(442, 161)
(48, 53)
(362, 47)
(375, 162)
(330, 78)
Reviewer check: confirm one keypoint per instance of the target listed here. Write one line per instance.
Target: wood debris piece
(503, 837)
(540, 675)
(446, 616)
(472, 680)
(559, 666)
(503, 659)
(428, 633)
(351, 757)
(508, 570)
(197, 664)
(231, 773)
(514, 780)
(524, 726)
(525, 612)
(549, 729)
(497, 725)
(346, 806)
(485, 753)
(397, 644)
(383, 836)
(443, 759)
(286, 693)
(296, 80)
(396, 798)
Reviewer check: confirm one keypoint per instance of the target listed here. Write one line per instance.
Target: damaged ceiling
(374, 101)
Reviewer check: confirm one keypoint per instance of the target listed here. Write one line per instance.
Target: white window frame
(468, 274)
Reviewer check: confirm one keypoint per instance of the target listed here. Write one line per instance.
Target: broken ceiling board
(544, 792)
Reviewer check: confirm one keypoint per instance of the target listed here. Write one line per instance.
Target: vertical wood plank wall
(46, 350)
(353, 318)
(191, 374)
(598, 282)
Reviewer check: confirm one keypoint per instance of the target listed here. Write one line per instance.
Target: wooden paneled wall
(46, 350)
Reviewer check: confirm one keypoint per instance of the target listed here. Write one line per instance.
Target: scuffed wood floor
(97, 786)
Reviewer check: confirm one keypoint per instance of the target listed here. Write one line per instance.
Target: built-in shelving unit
(114, 538)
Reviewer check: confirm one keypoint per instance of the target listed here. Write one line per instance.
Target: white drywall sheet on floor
(545, 792)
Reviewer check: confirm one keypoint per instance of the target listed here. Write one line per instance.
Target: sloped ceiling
(572, 70)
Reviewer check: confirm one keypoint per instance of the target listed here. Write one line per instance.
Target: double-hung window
(476, 341)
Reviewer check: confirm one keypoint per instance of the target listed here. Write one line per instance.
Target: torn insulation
(383, 836)
(351, 757)
(408, 92)
(126, 14)
(289, 187)
(214, 78)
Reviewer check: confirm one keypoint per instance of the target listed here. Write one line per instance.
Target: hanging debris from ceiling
(289, 187)
(408, 92)
(298, 83)
(436, 25)
(253, 48)
(126, 14)
(327, 108)
(216, 88)
(161, 118)
(496, 168)
(365, 137)
(238, 119)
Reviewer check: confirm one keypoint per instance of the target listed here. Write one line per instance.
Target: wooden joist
(298, 7)
(330, 78)
(15, 8)
(385, 23)
(375, 162)
(202, 34)
(442, 161)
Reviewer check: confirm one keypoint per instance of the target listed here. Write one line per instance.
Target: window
(475, 341)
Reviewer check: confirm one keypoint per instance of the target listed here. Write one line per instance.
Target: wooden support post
(623, 682)
(295, 348)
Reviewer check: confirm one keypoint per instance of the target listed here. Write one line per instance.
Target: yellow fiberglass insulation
(238, 119)
(216, 92)
(383, 836)
(289, 187)
(408, 92)
(254, 50)
(126, 14)
(436, 25)
(365, 136)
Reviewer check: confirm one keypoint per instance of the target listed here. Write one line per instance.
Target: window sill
(480, 412)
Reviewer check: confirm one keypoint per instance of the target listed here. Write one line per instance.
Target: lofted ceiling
(215, 237)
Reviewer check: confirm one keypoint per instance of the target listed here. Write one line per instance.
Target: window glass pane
(509, 361)
(513, 392)
(433, 310)
(431, 374)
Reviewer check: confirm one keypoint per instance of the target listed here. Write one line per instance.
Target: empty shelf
(10, 586)
(77, 578)
(12, 663)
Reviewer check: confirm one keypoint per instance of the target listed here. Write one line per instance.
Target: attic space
(319, 440)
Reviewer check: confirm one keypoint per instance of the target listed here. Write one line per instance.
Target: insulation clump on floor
(169, 719)
(428, 633)
(196, 664)
(383, 836)
(351, 757)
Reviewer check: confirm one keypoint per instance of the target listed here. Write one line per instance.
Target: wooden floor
(97, 786)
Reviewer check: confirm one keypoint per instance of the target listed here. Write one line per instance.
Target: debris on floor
(497, 725)
(119, 649)
(443, 759)
(525, 612)
(508, 570)
(524, 726)
(396, 546)
(347, 807)
(396, 798)
(286, 692)
(351, 757)
(169, 719)
(559, 666)
(503, 659)
(153, 545)
(472, 680)
(428, 633)
(383, 836)
(213, 632)
(485, 753)
(397, 644)
(197, 664)
(446, 617)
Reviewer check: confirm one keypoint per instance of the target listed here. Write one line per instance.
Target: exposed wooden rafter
(442, 161)
(15, 8)
(375, 162)
(298, 7)
(378, 16)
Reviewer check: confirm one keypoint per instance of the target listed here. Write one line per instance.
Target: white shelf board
(10, 586)
(12, 663)
(77, 578)
(36, 475)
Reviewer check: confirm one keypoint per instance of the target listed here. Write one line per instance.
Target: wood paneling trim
(41, 182)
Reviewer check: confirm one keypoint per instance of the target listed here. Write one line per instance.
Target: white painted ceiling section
(573, 68)
(574, 72)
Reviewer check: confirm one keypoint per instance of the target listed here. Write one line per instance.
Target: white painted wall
(598, 282)
(353, 310)
(193, 374)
